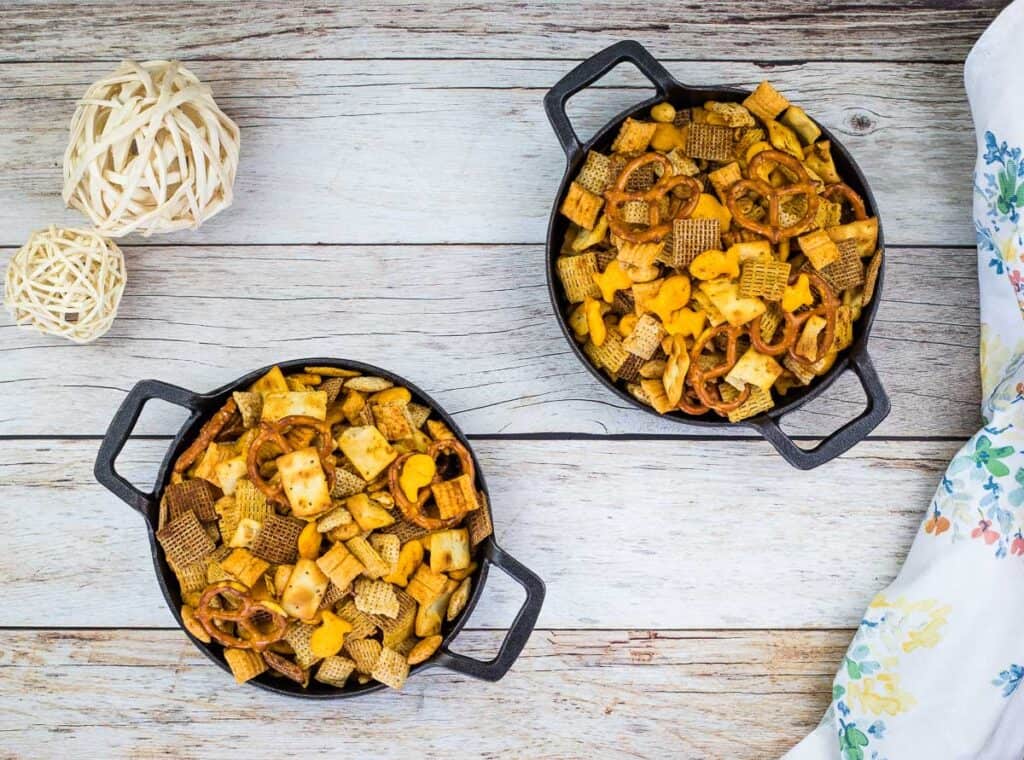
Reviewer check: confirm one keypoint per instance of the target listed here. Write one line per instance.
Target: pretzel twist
(656, 229)
(258, 638)
(272, 431)
(210, 430)
(413, 510)
(772, 229)
(288, 668)
(827, 308)
(701, 377)
(846, 193)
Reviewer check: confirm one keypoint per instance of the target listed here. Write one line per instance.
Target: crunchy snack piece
(376, 598)
(582, 206)
(479, 523)
(645, 338)
(596, 174)
(298, 637)
(634, 136)
(196, 495)
(252, 504)
(184, 541)
(291, 403)
(306, 586)
(611, 354)
(245, 664)
(758, 402)
(691, 237)
(364, 652)
(871, 276)
(367, 450)
(388, 547)
(391, 668)
(455, 497)
(340, 565)
(449, 550)
(396, 629)
(192, 577)
(709, 141)
(767, 279)
(375, 566)
(392, 419)
(407, 531)
(734, 114)
(332, 595)
(363, 625)
(346, 484)
(368, 384)
(418, 414)
(332, 387)
(424, 650)
(766, 103)
(277, 540)
(724, 178)
(333, 519)
(426, 584)
(847, 271)
(244, 566)
(819, 248)
(334, 671)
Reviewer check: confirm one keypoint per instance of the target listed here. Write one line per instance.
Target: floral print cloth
(935, 668)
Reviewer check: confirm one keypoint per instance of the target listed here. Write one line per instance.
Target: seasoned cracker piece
(691, 237)
(712, 142)
(766, 103)
(367, 450)
(391, 668)
(368, 384)
(392, 419)
(334, 671)
(244, 566)
(340, 565)
(819, 248)
(454, 497)
(645, 338)
(277, 540)
(581, 206)
(577, 276)
(634, 136)
(596, 174)
(376, 598)
(764, 278)
(184, 541)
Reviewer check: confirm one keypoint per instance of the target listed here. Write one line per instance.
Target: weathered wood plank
(460, 151)
(471, 324)
(665, 534)
(762, 30)
(621, 693)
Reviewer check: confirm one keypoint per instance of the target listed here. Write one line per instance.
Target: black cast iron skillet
(682, 96)
(202, 406)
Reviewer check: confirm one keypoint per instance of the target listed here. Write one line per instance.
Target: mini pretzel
(656, 229)
(701, 377)
(272, 431)
(848, 194)
(413, 510)
(803, 185)
(288, 668)
(210, 430)
(826, 309)
(689, 404)
(258, 638)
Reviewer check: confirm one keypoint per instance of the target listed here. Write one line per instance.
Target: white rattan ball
(66, 282)
(150, 151)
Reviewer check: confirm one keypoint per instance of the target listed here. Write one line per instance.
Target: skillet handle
(121, 427)
(518, 634)
(844, 438)
(589, 72)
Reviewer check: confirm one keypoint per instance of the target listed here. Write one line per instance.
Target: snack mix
(323, 523)
(715, 258)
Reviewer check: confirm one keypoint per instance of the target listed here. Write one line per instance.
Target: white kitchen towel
(934, 670)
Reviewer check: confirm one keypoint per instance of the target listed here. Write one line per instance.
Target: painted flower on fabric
(988, 456)
(1010, 679)
(880, 695)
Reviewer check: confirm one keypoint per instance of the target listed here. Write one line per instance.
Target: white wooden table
(397, 174)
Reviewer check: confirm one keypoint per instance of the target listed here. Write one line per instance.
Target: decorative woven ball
(150, 151)
(66, 282)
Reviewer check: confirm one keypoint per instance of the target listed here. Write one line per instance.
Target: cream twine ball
(150, 151)
(66, 282)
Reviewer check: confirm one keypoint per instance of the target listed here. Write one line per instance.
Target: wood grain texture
(619, 693)
(663, 534)
(472, 325)
(461, 152)
(760, 30)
